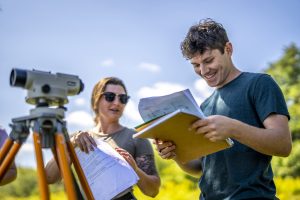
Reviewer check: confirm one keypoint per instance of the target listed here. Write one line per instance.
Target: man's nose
(203, 69)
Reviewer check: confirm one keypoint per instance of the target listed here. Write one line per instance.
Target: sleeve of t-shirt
(143, 147)
(268, 98)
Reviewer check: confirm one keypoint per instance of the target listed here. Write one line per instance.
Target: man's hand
(166, 149)
(214, 128)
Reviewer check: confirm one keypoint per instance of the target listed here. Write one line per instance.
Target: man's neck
(233, 74)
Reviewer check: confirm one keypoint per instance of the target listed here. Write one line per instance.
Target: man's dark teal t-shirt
(241, 172)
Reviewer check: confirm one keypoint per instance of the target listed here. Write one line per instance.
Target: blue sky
(137, 41)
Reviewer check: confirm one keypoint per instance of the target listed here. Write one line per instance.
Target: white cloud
(203, 90)
(26, 156)
(26, 159)
(107, 63)
(80, 101)
(131, 112)
(163, 88)
(27, 147)
(149, 67)
(80, 119)
(159, 89)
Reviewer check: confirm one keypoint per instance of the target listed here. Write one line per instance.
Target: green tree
(175, 184)
(290, 166)
(286, 72)
(24, 186)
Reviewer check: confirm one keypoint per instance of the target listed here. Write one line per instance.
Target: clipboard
(174, 127)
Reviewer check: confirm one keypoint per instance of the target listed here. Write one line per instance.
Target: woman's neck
(110, 128)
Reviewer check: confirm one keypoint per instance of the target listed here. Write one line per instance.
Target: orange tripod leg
(5, 148)
(40, 167)
(64, 165)
(8, 160)
(79, 171)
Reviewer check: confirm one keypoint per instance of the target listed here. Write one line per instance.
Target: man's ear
(228, 48)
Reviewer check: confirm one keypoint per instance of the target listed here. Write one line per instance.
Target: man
(247, 107)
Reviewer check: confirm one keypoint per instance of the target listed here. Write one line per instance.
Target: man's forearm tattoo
(147, 164)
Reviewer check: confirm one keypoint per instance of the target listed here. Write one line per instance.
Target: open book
(106, 171)
(169, 117)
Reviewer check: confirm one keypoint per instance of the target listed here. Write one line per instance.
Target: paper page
(153, 107)
(106, 171)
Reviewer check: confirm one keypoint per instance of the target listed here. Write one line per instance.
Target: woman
(108, 101)
(11, 173)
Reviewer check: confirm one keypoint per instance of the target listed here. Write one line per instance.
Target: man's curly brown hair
(206, 35)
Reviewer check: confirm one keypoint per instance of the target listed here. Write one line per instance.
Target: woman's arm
(149, 182)
(144, 166)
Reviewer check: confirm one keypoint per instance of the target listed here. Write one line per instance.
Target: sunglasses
(110, 97)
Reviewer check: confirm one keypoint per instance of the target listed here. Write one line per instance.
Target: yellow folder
(174, 127)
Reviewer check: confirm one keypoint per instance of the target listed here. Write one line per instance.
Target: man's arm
(193, 167)
(274, 139)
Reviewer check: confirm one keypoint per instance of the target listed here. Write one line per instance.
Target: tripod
(49, 131)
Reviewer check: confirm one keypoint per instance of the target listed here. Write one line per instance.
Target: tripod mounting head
(46, 88)
(44, 120)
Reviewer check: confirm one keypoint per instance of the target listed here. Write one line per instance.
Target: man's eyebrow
(208, 58)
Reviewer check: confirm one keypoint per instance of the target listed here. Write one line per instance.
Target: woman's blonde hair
(99, 88)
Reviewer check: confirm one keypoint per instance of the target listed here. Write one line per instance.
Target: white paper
(106, 171)
(153, 107)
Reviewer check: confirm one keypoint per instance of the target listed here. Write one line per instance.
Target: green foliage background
(177, 185)
(286, 72)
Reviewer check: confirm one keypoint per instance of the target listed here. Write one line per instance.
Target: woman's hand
(127, 157)
(84, 141)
